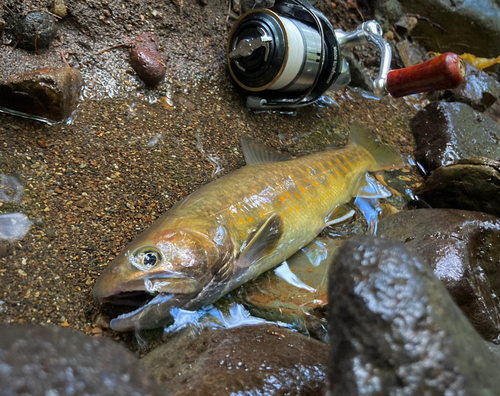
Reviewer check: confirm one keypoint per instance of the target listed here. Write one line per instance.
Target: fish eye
(149, 258)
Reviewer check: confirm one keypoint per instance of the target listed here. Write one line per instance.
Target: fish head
(168, 268)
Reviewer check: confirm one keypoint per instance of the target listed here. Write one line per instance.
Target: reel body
(290, 56)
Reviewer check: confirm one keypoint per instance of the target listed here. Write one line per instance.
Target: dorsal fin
(257, 153)
(385, 156)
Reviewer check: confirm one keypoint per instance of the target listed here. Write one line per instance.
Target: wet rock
(48, 93)
(463, 249)
(246, 360)
(411, 53)
(456, 25)
(395, 330)
(34, 31)
(146, 59)
(470, 184)
(479, 90)
(294, 292)
(43, 360)
(446, 132)
(387, 12)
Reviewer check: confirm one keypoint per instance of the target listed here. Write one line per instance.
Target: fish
(235, 228)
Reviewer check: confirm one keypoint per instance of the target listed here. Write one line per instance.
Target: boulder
(50, 360)
(446, 132)
(246, 360)
(463, 249)
(395, 330)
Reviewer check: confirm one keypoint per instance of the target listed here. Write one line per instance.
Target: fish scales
(303, 191)
(230, 231)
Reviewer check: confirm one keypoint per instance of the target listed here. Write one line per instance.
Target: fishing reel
(288, 57)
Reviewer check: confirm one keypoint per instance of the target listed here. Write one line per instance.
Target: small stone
(34, 31)
(42, 143)
(96, 330)
(59, 8)
(65, 324)
(146, 60)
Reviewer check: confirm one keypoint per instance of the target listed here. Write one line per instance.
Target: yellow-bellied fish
(235, 228)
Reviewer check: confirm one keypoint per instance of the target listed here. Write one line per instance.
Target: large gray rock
(479, 90)
(395, 330)
(446, 132)
(48, 360)
(458, 26)
(470, 184)
(463, 249)
(246, 360)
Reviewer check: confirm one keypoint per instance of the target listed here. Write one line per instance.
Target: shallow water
(94, 184)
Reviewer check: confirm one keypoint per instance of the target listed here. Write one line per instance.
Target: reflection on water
(13, 226)
(213, 317)
(10, 189)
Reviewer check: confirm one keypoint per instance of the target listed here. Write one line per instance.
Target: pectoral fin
(262, 243)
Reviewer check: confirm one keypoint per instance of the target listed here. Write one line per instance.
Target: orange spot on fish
(242, 235)
(307, 181)
(297, 195)
(314, 200)
(250, 219)
(329, 182)
(333, 177)
(290, 208)
(262, 214)
(297, 207)
(315, 183)
(278, 204)
(345, 169)
(324, 187)
(287, 194)
(330, 163)
(240, 221)
(302, 189)
(282, 199)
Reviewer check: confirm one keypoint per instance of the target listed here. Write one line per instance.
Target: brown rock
(249, 360)
(462, 248)
(146, 60)
(48, 93)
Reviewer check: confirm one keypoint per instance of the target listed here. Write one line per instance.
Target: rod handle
(445, 71)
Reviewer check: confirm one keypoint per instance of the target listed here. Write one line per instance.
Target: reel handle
(446, 71)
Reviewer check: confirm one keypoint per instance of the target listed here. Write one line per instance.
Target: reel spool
(285, 58)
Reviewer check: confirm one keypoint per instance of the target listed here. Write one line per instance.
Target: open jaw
(148, 306)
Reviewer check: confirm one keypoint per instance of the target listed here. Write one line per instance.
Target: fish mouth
(132, 306)
(136, 298)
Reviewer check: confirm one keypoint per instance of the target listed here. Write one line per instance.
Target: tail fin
(385, 156)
